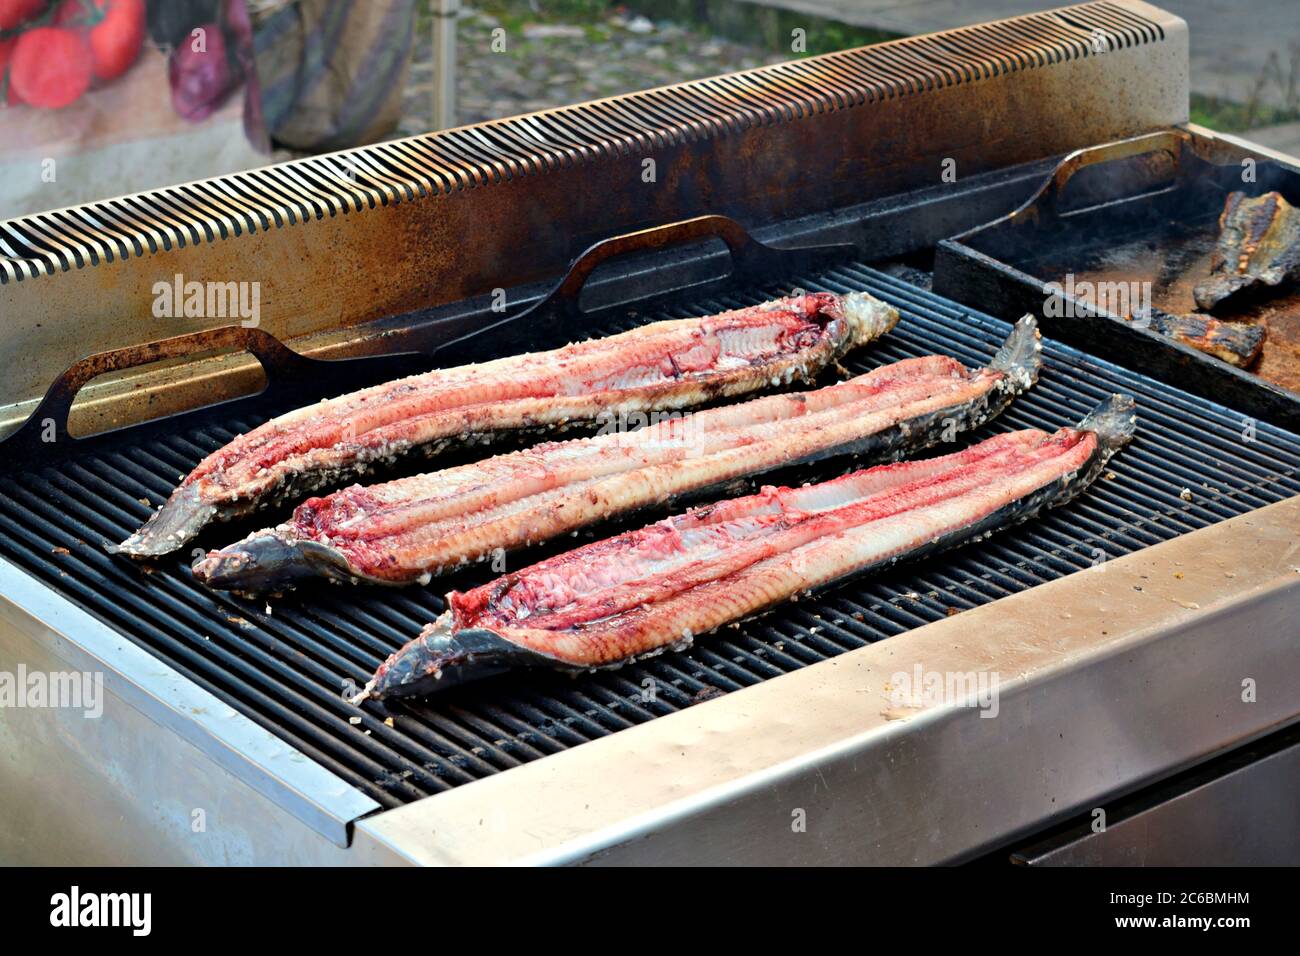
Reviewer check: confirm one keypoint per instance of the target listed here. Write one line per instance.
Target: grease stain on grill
(285, 670)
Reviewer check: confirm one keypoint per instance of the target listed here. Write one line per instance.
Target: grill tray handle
(1174, 143)
(283, 367)
(555, 316)
(752, 260)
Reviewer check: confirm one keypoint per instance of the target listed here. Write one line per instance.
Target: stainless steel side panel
(166, 773)
(1249, 816)
(1109, 679)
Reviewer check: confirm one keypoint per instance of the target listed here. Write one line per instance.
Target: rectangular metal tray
(1143, 210)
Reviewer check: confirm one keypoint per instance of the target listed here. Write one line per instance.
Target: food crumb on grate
(707, 692)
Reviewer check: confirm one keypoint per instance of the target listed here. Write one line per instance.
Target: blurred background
(106, 97)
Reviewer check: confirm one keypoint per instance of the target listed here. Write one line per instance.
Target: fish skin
(893, 513)
(1258, 247)
(1237, 343)
(405, 531)
(663, 365)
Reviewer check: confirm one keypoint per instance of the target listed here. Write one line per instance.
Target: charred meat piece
(1237, 343)
(405, 531)
(658, 588)
(663, 365)
(1259, 246)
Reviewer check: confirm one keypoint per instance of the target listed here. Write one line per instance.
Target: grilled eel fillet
(1259, 245)
(1236, 343)
(657, 588)
(663, 365)
(405, 531)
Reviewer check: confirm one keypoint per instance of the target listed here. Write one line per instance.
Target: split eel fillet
(405, 531)
(663, 365)
(1259, 245)
(657, 588)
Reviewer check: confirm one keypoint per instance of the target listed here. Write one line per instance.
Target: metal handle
(281, 363)
(1171, 142)
(748, 254)
(284, 367)
(751, 261)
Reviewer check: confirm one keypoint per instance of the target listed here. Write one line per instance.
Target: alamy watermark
(191, 299)
(74, 690)
(658, 431)
(921, 688)
(1072, 299)
(133, 911)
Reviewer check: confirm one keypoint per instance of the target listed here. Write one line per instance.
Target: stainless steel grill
(1121, 624)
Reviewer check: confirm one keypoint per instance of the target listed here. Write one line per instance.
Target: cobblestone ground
(550, 61)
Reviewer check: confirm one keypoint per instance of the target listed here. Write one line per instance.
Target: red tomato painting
(14, 12)
(114, 31)
(49, 67)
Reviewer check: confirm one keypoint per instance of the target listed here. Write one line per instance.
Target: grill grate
(286, 670)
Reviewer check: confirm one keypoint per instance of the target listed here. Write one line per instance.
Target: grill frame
(460, 738)
(696, 784)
